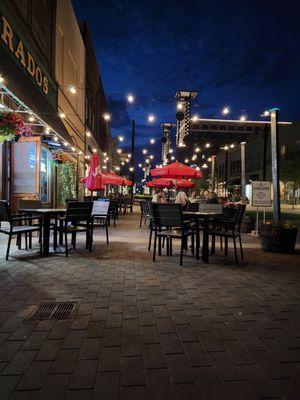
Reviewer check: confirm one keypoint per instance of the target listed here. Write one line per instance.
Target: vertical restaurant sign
(261, 194)
(25, 58)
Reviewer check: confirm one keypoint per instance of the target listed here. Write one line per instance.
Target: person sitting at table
(181, 198)
(158, 197)
(212, 198)
(193, 197)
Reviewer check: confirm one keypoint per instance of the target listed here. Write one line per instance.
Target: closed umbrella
(92, 181)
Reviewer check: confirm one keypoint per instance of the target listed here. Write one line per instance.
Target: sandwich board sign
(261, 194)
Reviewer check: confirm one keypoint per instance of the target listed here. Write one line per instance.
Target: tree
(290, 172)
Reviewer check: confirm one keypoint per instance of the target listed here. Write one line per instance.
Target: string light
(121, 138)
(55, 139)
(106, 116)
(122, 163)
(152, 141)
(226, 147)
(151, 118)
(88, 134)
(1, 79)
(232, 146)
(179, 106)
(119, 151)
(47, 130)
(140, 165)
(129, 155)
(131, 169)
(186, 160)
(171, 151)
(94, 150)
(195, 118)
(62, 115)
(207, 145)
(197, 150)
(66, 144)
(145, 151)
(226, 110)
(172, 158)
(73, 90)
(151, 157)
(130, 98)
(73, 148)
(243, 118)
(31, 118)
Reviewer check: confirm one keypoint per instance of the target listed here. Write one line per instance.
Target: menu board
(261, 194)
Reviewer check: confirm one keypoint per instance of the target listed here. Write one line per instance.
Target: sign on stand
(261, 197)
(261, 194)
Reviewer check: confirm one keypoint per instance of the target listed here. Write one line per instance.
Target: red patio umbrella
(183, 183)
(127, 182)
(92, 181)
(110, 178)
(161, 182)
(175, 170)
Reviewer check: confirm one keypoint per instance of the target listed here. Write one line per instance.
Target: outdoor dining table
(203, 218)
(47, 214)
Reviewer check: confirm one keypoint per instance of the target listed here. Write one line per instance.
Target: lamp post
(275, 163)
(243, 171)
(213, 172)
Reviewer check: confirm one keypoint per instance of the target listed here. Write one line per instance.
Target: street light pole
(132, 154)
(226, 172)
(213, 172)
(243, 171)
(275, 164)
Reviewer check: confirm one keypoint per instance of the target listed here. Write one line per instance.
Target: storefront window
(24, 162)
(45, 171)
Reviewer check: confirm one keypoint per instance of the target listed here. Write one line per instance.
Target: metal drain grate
(53, 311)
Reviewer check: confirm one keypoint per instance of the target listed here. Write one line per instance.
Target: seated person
(181, 198)
(212, 198)
(158, 197)
(193, 197)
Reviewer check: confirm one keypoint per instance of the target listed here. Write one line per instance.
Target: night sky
(240, 53)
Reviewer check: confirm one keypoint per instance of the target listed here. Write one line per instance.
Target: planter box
(278, 240)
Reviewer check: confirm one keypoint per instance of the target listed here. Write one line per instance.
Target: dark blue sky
(240, 53)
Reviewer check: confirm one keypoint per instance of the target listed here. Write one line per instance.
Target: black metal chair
(194, 207)
(16, 226)
(229, 228)
(78, 218)
(30, 204)
(169, 224)
(113, 211)
(128, 205)
(145, 211)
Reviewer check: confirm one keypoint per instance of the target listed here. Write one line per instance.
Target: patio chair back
(167, 214)
(193, 207)
(230, 212)
(4, 211)
(145, 208)
(100, 208)
(114, 207)
(79, 211)
(34, 204)
(240, 214)
(216, 208)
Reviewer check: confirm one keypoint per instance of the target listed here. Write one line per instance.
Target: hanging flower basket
(12, 127)
(60, 157)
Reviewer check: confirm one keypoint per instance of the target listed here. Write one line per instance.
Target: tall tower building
(166, 141)
(183, 115)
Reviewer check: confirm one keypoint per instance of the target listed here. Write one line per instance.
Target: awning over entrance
(18, 82)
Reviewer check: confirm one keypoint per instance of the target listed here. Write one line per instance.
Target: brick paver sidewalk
(146, 330)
